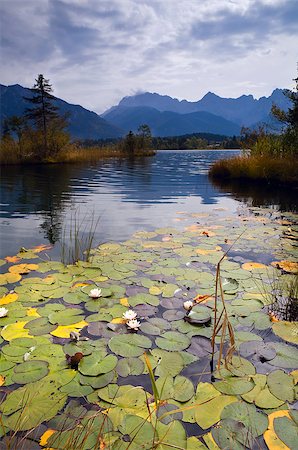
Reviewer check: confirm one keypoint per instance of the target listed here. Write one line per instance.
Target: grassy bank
(262, 168)
(9, 155)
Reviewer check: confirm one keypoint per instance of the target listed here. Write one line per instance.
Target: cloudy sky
(97, 51)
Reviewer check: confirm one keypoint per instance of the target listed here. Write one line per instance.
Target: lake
(39, 203)
(196, 272)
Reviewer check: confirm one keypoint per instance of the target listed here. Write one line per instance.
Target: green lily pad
(140, 432)
(129, 345)
(40, 326)
(234, 385)
(66, 317)
(183, 389)
(141, 299)
(130, 366)
(100, 381)
(171, 435)
(266, 400)
(173, 341)
(96, 364)
(198, 315)
(30, 371)
(230, 285)
(167, 363)
(281, 385)
(27, 407)
(286, 356)
(232, 435)
(287, 430)
(256, 422)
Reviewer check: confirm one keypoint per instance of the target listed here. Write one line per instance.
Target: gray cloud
(96, 51)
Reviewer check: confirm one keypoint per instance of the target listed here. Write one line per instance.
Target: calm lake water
(38, 203)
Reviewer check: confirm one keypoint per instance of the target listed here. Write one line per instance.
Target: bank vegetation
(266, 156)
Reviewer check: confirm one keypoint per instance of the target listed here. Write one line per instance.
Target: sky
(95, 51)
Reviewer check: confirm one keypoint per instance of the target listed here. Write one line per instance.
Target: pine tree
(43, 110)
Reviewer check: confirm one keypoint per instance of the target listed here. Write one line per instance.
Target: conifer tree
(43, 110)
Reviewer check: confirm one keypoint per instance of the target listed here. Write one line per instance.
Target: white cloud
(96, 52)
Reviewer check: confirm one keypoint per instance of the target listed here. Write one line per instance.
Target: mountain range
(83, 124)
(166, 116)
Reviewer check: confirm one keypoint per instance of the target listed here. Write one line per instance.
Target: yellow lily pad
(253, 265)
(287, 266)
(9, 298)
(15, 330)
(32, 312)
(272, 440)
(23, 268)
(45, 436)
(124, 301)
(154, 290)
(8, 277)
(118, 320)
(63, 331)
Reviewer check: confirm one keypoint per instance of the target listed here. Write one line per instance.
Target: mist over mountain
(83, 124)
(244, 111)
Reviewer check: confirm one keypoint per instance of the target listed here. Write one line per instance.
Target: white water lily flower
(188, 305)
(129, 314)
(95, 293)
(133, 324)
(3, 312)
(26, 356)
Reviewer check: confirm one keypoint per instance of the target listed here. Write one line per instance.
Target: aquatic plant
(77, 240)
(77, 390)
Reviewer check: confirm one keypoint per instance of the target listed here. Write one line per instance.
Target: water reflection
(38, 202)
(260, 194)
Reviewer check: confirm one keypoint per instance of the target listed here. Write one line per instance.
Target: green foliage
(136, 142)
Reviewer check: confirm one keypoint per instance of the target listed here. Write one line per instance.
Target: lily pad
(96, 364)
(281, 385)
(29, 406)
(173, 341)
(287, 430)
(256, 422)
(30, 371)
(198, 315)
(234, 385)
(129, 345)
(286, 356)
(130, 366)
(286, 330)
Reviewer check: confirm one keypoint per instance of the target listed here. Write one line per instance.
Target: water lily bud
(188, 305)
(129, 315)
(95, 293)
(133, 324)
(3, 312)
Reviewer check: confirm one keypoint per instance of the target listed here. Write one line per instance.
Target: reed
(265, 168)
(77, 241)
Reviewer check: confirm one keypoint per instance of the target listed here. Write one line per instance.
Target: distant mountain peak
(243, 111)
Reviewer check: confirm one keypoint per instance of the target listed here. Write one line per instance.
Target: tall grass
(265, 168)
(77, 239)
(70, 153)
